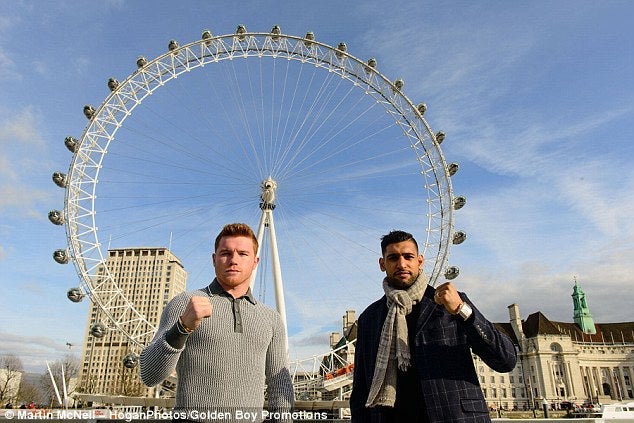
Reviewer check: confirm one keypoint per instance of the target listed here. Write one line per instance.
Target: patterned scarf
(394, 343)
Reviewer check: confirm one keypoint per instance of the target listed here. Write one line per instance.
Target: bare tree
(29, 393)
(88, 384)
(10, 375)
(130, 382)
(70, 364)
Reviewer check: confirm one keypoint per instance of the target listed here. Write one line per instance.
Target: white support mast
(266, 221)
(59, 398)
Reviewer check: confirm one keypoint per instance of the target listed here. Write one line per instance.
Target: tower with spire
(582, 315)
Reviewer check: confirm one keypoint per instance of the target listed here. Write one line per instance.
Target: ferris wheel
(241, 127)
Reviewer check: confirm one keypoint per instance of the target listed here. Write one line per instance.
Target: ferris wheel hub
(269, 186)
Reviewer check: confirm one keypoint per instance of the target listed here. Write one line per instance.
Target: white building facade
(580, 362)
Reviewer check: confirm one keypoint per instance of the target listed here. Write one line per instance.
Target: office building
(149, 278)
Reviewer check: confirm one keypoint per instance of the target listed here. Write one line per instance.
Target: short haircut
(394, 237)
(237, 229)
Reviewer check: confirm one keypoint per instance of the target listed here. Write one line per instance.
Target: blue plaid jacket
(442, 354)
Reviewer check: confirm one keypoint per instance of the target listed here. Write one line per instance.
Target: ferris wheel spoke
(307, 121)
(301, 114)
(218, 157)
(326, 248)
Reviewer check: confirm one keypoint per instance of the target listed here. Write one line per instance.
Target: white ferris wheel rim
(85, 248)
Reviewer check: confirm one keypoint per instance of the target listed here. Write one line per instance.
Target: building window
(555, 347)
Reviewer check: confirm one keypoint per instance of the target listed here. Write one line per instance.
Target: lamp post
(545, 407)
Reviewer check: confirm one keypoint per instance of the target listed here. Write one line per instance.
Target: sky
(536, 99)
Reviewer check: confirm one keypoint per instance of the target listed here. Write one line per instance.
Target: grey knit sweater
(222, 365)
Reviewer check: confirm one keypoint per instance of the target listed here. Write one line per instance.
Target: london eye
(249, 126)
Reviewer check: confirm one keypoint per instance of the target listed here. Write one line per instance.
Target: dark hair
(396, 236)
(237, 229)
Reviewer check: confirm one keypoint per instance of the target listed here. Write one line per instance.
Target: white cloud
(535, 286)
(5, 23)
(41, 67)
(34, 351)
(21, 128)
(312, 342)
(19, 138)
(8, 69)
(535, 150)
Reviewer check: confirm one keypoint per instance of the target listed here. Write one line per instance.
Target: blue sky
(537, 101)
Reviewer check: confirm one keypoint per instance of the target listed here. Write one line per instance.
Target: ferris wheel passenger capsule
(98, 330)
(458, 237)
(113, 84)
(130, 360)
(370, 65)
(173, 45)
(422, 108)
(56, 217)
(276, 31)
(140, 62)
(72, 144)
(308, 39)
(207, 36)
(452, 273)
(89, 111)
(452, 168)
(399, 83)
(60, 256)
(459, 202)
(75, 295)
(241, 30)
(60, 179)
(440, 137)
(341, 49)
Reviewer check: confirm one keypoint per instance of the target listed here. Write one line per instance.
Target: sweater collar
(214, 288)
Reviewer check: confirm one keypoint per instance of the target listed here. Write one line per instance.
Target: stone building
(580, 362)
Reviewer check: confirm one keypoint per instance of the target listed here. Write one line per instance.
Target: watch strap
(465, 311)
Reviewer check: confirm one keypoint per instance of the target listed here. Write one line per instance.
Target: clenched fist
(196, 310)
(447, 295)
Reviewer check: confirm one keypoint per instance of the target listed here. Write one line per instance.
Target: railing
(323, 373)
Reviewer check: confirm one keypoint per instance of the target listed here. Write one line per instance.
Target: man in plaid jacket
(413, 358)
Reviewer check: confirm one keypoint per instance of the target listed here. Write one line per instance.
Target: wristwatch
(464, 310)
